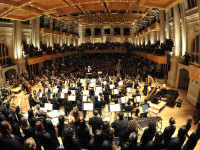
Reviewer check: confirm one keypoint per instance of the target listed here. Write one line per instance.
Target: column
(131, 34)
(153, 37)
(146, 38)
(92, 34)
(184, 28)
(158, 36)
(177, 31)
(162, 26)
(198, 6)
(167, 25)
(51, 35)
(102, 32)
(37, 33)
(111, 33)
(121, 34)
(17, 39)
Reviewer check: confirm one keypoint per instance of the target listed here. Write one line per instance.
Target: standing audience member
(95, 122)
(45, 138)
(29, 144)
(107, 132)
(169, 131)
(131, 144)
(8, 141)
(68, 141)
(83, 134)
(60, 125)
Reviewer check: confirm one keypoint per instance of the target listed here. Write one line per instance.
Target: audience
(96, 122)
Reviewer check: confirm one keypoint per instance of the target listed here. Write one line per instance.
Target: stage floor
(180, 114)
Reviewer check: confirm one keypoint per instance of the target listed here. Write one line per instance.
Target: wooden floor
(180, 114)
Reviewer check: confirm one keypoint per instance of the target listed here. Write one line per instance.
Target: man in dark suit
(55, 103)
(120, 126)
(169, 131)
(95, 122)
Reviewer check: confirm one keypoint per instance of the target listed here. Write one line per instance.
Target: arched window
(4, 55)
(195, 49)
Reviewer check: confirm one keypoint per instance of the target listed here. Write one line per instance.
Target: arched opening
(9, 73)
(183, 79)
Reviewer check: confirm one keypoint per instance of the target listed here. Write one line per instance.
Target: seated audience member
(188, 125)
(83, 134)
(149, 133)
(176, 143)
(29, 144)
(68, 141)
(45, 138)
(193, 140)
(98, 143)
(60, 125)
(95, 122)
(15, 126)
(8, 141)
(131, 144)
(157, 143)
(107, 132)
(169, 131)
(120, 126)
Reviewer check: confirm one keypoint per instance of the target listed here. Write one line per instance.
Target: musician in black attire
(95, 122)
(55, 103)
(97, 105)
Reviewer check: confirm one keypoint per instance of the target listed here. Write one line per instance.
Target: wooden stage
(180, 114)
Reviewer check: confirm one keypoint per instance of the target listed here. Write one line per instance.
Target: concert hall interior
(100, 74)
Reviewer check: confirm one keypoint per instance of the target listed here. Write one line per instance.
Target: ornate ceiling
(83, 11)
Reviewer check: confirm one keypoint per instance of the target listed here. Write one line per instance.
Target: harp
(150, 79)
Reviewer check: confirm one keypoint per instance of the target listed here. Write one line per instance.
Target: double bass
(28, 85)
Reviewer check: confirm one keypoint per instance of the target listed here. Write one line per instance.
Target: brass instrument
(153, 90)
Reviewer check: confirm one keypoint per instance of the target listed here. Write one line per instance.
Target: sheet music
(99, 88)
(20, 101)
(97, 93)
(71, 98)
(128, 90)
(73, 92)
(120, 83)
(40, 95)
(85, 98)
(115, 91)
(92, 84)
(64, 90)
(92, 80)
(88, 106)
(72, 85)
(123, 99)
(111, 86)
(137, 99)
(86, 92)
(104, 82)
(48, 106)
(149, 88)
(62, 95)
(46, 90)
(55, 90)
(115, 107)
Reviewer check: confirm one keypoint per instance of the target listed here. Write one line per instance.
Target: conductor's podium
(88, 75)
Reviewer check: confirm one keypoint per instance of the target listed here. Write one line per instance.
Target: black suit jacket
(55, 103)
(120, 127)
(168, 132)
(96, 123)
